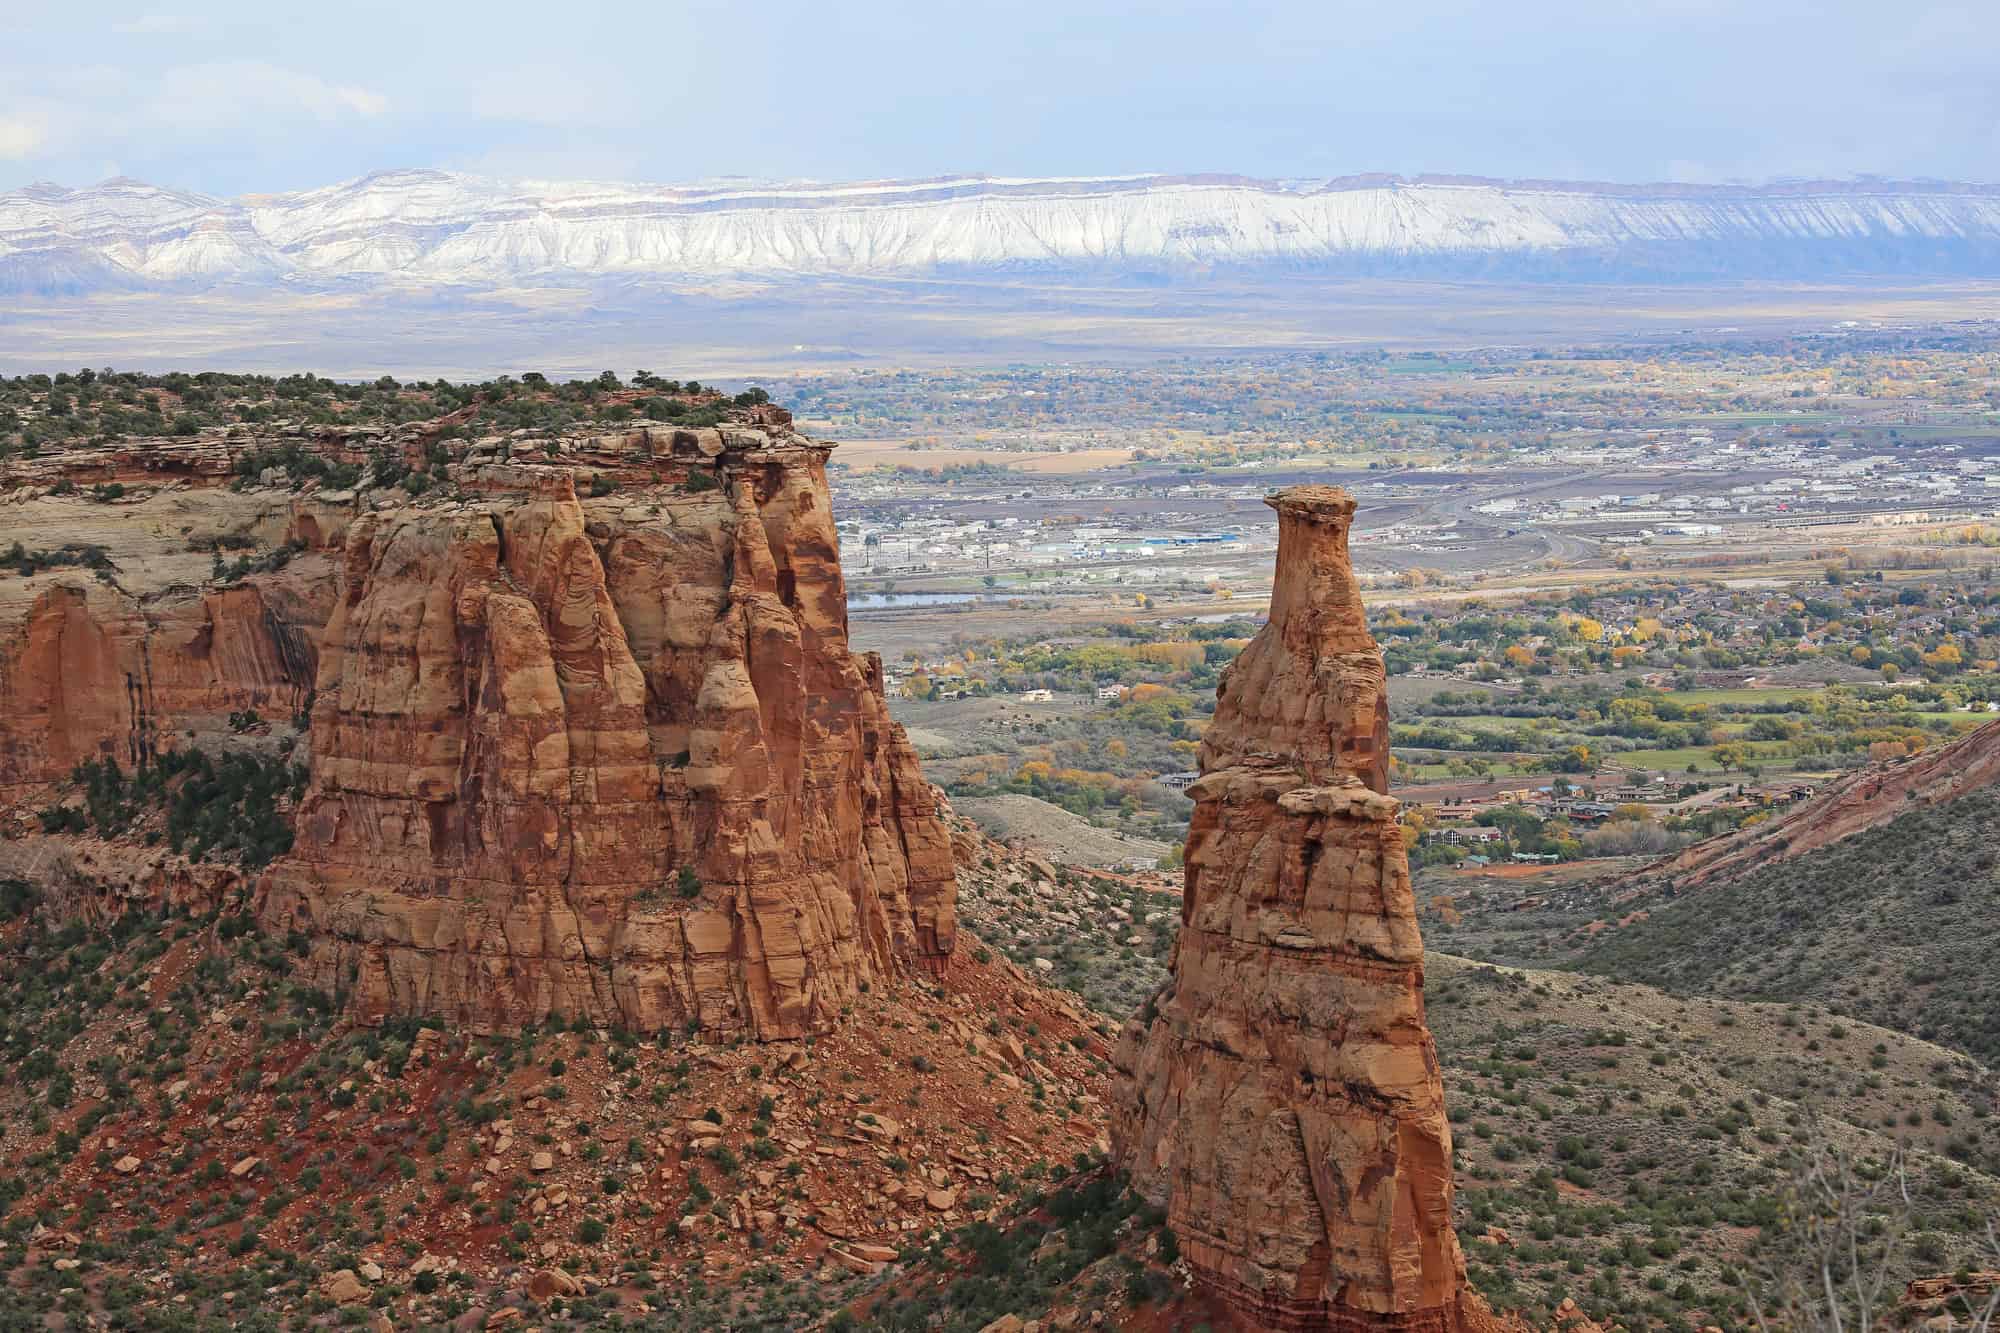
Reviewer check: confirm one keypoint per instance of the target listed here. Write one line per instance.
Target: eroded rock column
(1281, 1094)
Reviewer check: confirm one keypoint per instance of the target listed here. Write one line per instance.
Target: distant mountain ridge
(442, 228)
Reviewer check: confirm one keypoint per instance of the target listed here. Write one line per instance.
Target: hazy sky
(233, 96)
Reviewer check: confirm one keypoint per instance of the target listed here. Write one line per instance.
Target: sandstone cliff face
(604, 757)
(610, 758)
(90, 671)
(1281, 1095)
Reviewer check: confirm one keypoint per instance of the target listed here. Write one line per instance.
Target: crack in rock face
(1283, 1100)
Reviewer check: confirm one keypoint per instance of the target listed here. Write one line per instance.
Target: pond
(882, 601)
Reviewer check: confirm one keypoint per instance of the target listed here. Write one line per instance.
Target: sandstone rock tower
(1281, 1094)
(611, 759)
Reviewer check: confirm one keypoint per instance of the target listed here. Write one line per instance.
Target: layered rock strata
(610, 760)
(604, 756)
(89, 671)
(1852, 804)
(1281, 1094)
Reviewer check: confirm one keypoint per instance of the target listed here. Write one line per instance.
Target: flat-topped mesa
(586, 737)
(613, 759)
(1281, 1094)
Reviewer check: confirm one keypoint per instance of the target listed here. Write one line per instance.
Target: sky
(228, 97)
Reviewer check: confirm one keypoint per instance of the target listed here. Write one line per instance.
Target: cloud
(251, 94)
(65, 120)
(227, 95)
(154, 25)
(20, 138)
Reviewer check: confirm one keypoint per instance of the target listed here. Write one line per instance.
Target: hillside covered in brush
(1893, 925)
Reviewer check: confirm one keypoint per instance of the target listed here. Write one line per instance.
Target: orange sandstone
(1281, 1094)
(605, 757)
(611, 759)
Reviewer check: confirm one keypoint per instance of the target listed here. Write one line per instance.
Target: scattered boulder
(548, 1283)
(343, 1287)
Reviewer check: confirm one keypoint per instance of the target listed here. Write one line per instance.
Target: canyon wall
(604, 757)
(610, 759)
(1281, 1094)
(90, 671)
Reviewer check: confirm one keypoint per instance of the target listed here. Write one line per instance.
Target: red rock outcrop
(605, 757)
(90, 671)
(1281, 1094)
(1853, 804)
(611, 759)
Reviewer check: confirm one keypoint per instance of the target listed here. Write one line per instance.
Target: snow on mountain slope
(440, 227)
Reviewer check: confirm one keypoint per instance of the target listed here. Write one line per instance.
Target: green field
(1728, 721)
(1763, 753)
(1739, 697)
(1410, 773)
(1723, 698)
(1469, 722)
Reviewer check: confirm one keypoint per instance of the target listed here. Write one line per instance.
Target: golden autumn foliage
(1180, 656)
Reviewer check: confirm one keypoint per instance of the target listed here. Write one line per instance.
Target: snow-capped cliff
(434, 227)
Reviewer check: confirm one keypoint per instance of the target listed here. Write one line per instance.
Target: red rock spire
(1281, 1094)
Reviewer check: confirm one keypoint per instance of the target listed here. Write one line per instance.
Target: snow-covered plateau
(435, 227)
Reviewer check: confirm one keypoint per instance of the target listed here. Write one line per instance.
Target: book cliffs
(443, 229)
(1281, 1093)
